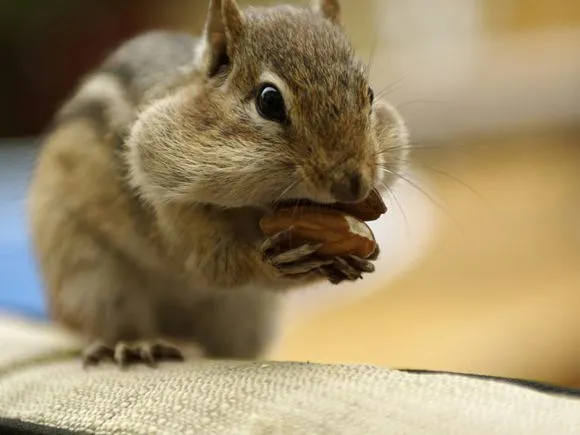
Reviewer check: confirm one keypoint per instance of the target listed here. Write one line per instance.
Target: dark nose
(348, 189)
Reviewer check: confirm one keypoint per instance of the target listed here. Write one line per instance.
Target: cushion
(43, 389)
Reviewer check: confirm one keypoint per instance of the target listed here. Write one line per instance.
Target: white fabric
(210, 397)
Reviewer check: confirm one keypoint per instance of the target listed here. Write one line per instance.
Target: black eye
(270, 103)
(371, 95)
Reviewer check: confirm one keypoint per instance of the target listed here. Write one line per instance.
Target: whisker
(440, 206)
(399, 206)
(409, 103)
(296, 208)
(287, 189)
(423, 146)
(447, 175)
(387, 89)
(374, 44)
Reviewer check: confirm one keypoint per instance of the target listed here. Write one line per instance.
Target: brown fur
(145, 202)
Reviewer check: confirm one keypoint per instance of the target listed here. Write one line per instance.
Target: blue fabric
(20, 287)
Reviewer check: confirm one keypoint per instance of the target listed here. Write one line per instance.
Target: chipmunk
(145, 201)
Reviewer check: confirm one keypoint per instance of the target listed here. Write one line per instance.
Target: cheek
(392, 142)
(144, 151)
(391, 131)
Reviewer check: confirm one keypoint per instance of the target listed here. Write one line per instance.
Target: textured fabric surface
(211, 397)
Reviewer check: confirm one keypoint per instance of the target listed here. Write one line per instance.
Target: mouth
(369, 209)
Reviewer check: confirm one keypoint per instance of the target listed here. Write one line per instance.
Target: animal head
(281, 108)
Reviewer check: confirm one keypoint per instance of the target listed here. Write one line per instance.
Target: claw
(333, 276)
(350, 272)
(166, 351)
(347, 269)
(295, 254)
(375, 254)
(147, 354)
(362, 264)
(304, 268)
(276, 239)
(96, 353)
(124, 354)
(291, 262)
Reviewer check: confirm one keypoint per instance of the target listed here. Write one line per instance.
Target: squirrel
(145, 200)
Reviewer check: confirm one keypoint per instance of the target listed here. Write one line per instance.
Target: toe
(361, 264)
(147, 354)
(123, 354)
(375, 254)
(333, 276)
(276, 240)
(166, 351)
(350, 272)
(296, 254)
(95, 353)
(303, 267)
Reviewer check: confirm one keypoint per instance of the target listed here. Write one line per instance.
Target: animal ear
(330, 9)
(223, 28)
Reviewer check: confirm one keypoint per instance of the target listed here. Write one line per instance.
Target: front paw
(350, 268)
(294, 262)
(303, 260)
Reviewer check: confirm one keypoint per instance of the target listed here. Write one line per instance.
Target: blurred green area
(47, 45)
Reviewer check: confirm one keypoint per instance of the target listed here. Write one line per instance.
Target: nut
(370, 209)
(339, 233)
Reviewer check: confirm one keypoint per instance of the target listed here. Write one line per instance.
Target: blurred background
(481, 264)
